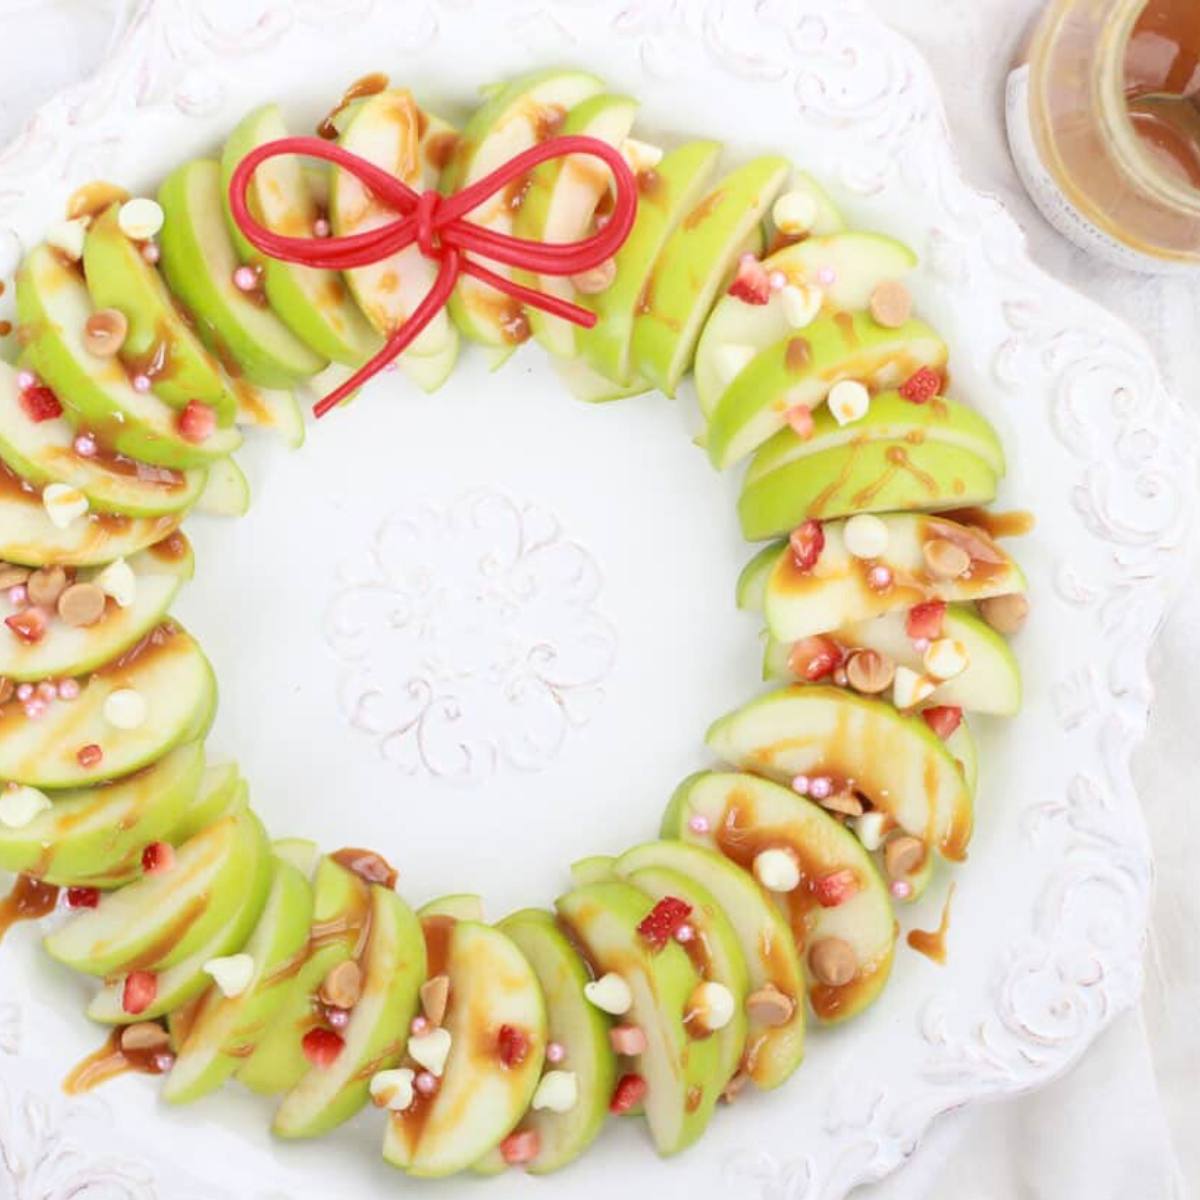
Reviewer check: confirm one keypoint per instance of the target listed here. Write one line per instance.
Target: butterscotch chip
(945, 560)
(891, 304)
(833, 961)
(12, 576)
(145, 1035)
(769, 1006)
(844, 802)
(45, 586)
(7, 689)
(1005, 614)
(870, 672)
(435, 994)
(735, 1087)
(597, 279)
(104, 332)
(343, 986)
(82, 604)
(903, 855)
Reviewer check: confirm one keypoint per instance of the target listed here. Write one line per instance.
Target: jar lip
(1112, 105)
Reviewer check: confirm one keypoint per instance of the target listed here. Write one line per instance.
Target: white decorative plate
(485, 631)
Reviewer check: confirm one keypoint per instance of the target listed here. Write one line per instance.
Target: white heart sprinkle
(431, 1049)
(63, 504)
(393, 1089)
(20, 805)
(232, 975)
(794, 213)
(777, 870)
(125, 709)
(849, 401)
(140, 218)
(801, 304)
(558, 1091)
(118, 581)
(909, 688)
(865, 535)
(610, 993)
(946, 658)
(713, 1005)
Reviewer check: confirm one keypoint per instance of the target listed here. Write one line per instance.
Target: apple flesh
(222, 790)
(461, 906)
(277, 411)
(695, 263)
(226, 491)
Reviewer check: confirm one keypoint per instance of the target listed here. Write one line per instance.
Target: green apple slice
(199, 260)
(99, 833)
(560, 206)
(313, 304)
(895, 761)
(77, 650)
(587, 384)
(96, 393)
(221, 791)
(694, 264)
(164, 918)
(772, 1052)
(991, 682)
(522, 113)
(462, 906)
(226, 491)
(275, 410)
(665, 195)
(837, 590)
(390, 131)
(745, 815)
(226, 1029)
(596, 868)
(802, 370)
(579, 1028)
(187, 979)
(43, 452)
(681, 1072)
(752, 582)
(480, 1098)
(159, 342)
(859, 263)
(341, 905)
(393, 964)
(173, 677)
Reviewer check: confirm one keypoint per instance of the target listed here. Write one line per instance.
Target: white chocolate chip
(849, 401)
(393, 1089)
(641, 156)
(20, 805)
(870, 828)
(232, 975)
(610, 993)
(430, 1049)
(777, 870)
(865, 536)
(712, 1004)
(63, 504)
(794, 213)
(946, 658)
(67, 237)
(125, 709)
(118, 581)
(558, 1091)
(801, 304)
(910, 688)
(730, 360)
(140, 218)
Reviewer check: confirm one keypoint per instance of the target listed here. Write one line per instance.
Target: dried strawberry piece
(521, 1147)
(29, 625)
(321, 1047)
(943, 719)
(921, 387)
(89, 755)
(752, 283)
(513, 1045)
(814, 658)
(807, 541)
(925, 620)
(197, 421)
(630, 1090)
(835, 888)
(660, 923)
(141, 989)
(83, 897)
(40, 404)
(158, 857)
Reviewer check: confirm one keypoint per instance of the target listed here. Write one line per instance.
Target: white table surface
(1122, 1125)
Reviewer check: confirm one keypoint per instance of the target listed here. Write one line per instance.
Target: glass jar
(1087, 129)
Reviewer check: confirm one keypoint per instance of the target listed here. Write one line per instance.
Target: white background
(1107, 1130)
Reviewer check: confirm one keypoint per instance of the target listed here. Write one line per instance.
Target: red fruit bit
(89, 755)
(521, 1147)
(752, 282)
(513, 1045)
(800, 418)
(925, 620)
(921, 387)
(943, 719)
(141, 988)
(321, 1047)
(40, 404)
(197, 422)
(29, 625)
(835, 888)
(158, 858)
(807, 542)
(83, 897)
(661, 922)
(630, 1090)
(814, 658)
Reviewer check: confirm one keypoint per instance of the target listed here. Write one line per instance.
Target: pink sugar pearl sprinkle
(85, 445)
(821, 788)
(555, 1052)
(426, 1083)
(26, 380)
(418, 1025)
(320, 227)
(17, 596)
(245, 279)
(827, 276)
(25, 692)
(141, 383)
(879, 578)
(801, 784)
(901, 889)
(150, 252)
(68, 689)
(698, 824)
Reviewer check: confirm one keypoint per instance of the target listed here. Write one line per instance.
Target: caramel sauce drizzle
(367, 85)
(109, 1062)
(29, 900)
(93, 198)
(932, 942)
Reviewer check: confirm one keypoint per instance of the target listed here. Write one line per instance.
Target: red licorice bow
(438, 226)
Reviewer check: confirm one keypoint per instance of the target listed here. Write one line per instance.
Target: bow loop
(427, 211)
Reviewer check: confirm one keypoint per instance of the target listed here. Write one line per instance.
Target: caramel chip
(45, 586)
(145, 1035)
(833, 961)
(769, 1006)
(598, 279)
(343, 986)
(12, 576)
(945, 560)
(903, 855)
(105, 331)
(82, 604)
(891, 304)
(870, 672)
